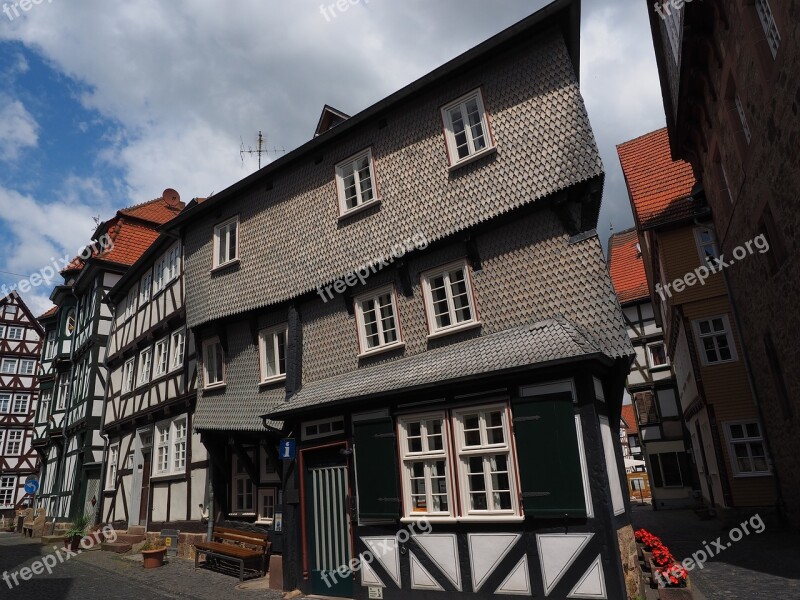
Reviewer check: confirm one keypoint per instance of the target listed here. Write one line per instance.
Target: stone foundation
(630, 562)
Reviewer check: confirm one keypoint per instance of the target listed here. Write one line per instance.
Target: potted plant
(153, 555)
(78, 529)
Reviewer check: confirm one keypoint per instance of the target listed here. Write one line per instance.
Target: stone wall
(630, 562)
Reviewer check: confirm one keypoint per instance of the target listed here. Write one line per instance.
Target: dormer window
(226, 242)
(466, 129)
(355, 182)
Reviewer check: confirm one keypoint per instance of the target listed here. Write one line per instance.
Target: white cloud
(18, 128)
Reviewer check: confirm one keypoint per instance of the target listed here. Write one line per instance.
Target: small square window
(449, 303)
(466, 128)
(748, 454)
(15, 333)
(376, 317)
(27, 366)
(715, 340)
(657, 355)
(226, 242)
(355, 182)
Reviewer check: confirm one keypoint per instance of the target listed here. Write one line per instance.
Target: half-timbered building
(74, 446)
(20, 342)
(419, 299)
(155, 473)
(661, 433)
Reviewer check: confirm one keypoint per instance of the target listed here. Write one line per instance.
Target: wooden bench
(231, 545)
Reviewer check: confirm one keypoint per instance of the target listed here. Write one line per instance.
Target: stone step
(136, 530)
(118, 547)
(52, 539)
(128, 538)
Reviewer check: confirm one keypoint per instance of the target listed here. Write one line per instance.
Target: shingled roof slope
(660, 187)
(627, 267)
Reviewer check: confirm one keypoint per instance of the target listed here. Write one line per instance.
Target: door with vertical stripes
(329, 518)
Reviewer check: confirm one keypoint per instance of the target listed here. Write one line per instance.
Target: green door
(329, 532)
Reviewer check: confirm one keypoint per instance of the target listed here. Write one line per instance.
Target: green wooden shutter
(548, 456)
(376, 469)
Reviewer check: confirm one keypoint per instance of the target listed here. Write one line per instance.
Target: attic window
(466, 129)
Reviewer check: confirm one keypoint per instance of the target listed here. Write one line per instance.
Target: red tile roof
(49, 313)
(627, 267)
(629, 416)
(156, 211)
(659, 186)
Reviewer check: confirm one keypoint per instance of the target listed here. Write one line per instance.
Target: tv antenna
(259, 150)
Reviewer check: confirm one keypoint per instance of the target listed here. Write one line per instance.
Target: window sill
(272, 380)
(223, 266)
(472, 158)
(242, 514)
(359, 208)
(751, 475)
(468, 519)
(457, 329)
(215, 386)
(382, 349)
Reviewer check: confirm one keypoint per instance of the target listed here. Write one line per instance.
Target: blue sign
(288, 448)
(31, 486)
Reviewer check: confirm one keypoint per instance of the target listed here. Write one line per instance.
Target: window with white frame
(242, 489)
(113, 458)
(657, 355)
(44, 405)
(173, 262)
(179, 445)
(26, 366)
(706, 245)
(8, 484)
(482, 467)
(130, 303)
(272, 353)
(448, 298)
(63, 392)
(376, 317)
(177, 343)
(145, 362)
(14, 442)
(170, 454)
(742, 117)
(226, 242)
(355, 181)
(145, 288)
(5, 403)
(767, 19)
(159, 274)
(21, 403)
(213, 363)
(715, 340)
(747, 450)
(161, 350)
(466, 128)
(266, 504)
(425, 464)
(2, 439)
(8, 365)
(2, 331)
(50, 346)
(127, 375)
(311, 430)
(16, 333)
(162, 447)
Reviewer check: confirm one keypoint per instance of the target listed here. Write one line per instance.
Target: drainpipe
(210, 486)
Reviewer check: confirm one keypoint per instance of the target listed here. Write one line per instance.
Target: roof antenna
(260, 149)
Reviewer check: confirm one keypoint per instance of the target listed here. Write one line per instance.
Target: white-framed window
(170, 454)
(2, 331)
(113, 459)
(213, 363)
(145, 362)
(377, 320)
(355, 181)
(145, 288)
(14, 442)
(266, 504)
(272, 353)
(742, 117)
(21, 403)
(449, 302)
(242, 488)
(767, 19)
(16, 333)
(27, 366)
(177, 343)
(9, 365)
(50, 345)
(8, 484)
(466, 128)
(161, 350)
(747, 450)
(226, 242)
(159, 274)
(310, 430)
(424, 444)
(127, 375)
(706, 245)
(130, 303)
(44, 405)
(63, 392)
(5, 404)
(657, 355)
(715, 340)
(173, 262)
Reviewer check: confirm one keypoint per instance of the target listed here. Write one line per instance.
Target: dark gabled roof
(536, 345)
(565, 14)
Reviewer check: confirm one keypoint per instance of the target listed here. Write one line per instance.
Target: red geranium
(673, 575)
(662, 557)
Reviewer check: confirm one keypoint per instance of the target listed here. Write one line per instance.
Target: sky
(106, 103)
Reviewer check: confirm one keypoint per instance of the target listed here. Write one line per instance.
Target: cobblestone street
(100, 575)
(760, 565)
